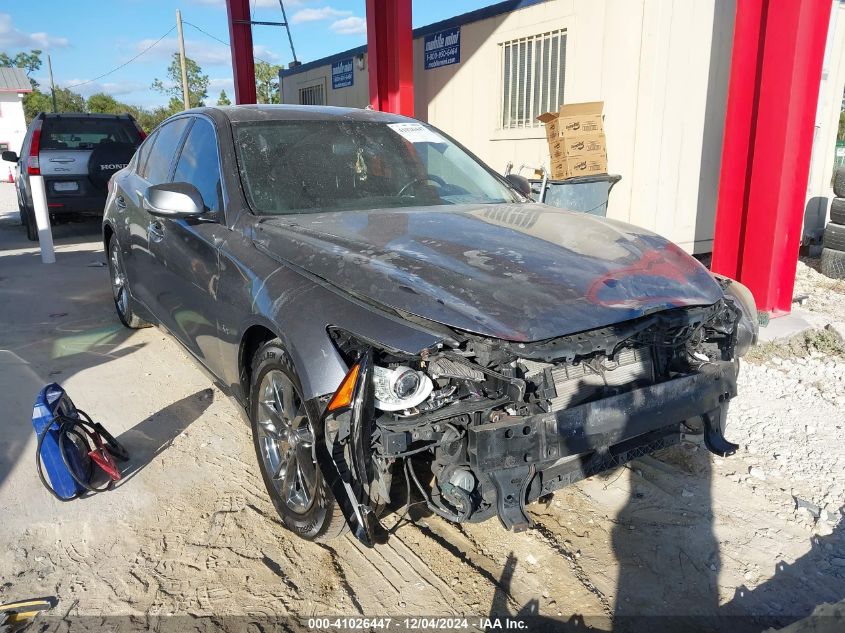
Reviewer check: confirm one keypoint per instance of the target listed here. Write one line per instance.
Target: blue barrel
(51, 402)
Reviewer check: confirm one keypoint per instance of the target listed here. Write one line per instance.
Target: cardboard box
(572, 166)
(588, 144)
(575, 119)
(549, 120)
(577, 144)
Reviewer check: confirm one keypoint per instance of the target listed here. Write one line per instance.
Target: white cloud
(13, 38)
(350, 26)
(259, 4)
(314, 15)
(113, 88)
(259, 51)
(216, 84)
(204, 52)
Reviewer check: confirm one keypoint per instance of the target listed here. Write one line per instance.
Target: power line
(124, 64)
(203, 31)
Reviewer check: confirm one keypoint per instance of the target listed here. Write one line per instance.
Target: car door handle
(62, 160)
(120, 202)
(155, 231)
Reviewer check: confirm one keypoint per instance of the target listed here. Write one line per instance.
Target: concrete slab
(784, 327)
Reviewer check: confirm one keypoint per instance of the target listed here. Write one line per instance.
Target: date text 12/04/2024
(485, 623)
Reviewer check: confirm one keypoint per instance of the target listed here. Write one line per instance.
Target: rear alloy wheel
(284, 444)
(123, 303)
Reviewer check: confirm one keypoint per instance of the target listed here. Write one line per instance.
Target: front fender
(342, 440)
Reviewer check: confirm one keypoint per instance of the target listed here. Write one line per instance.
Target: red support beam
(240, 38)
(390, 55)
(773, 92)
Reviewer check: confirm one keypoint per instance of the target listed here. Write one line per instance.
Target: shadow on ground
(155, 434)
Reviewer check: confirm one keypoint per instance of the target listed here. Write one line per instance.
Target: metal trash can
(584, 194)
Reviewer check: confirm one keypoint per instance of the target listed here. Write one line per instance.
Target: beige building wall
(660, 66)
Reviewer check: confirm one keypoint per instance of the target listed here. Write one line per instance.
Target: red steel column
(390, 55)
(772, 97)
(240, 37)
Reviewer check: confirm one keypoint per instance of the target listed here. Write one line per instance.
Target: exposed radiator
(575, 384)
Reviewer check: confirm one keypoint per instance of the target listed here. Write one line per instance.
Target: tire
(839, 182)
(29, 225)
(106, 160)
(837, 211)
(283, 432)
(833, 263)
(834, 237)
(124, 304)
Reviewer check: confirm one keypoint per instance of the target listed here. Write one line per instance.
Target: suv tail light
(33, 167)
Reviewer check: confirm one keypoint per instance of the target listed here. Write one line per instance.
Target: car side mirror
(173, 200)
(10, 156)
(520, 183)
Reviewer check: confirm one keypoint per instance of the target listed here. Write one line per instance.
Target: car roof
(250, 113)
(83, 115)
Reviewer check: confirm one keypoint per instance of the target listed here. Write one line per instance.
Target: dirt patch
(812, 343)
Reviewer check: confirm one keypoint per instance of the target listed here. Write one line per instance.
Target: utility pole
(290, 39)
(185, 94)
(52, 85)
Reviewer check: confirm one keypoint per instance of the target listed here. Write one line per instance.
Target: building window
(311, 95)
(533, 73)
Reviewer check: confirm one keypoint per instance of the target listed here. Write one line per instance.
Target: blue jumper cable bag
(75, 452)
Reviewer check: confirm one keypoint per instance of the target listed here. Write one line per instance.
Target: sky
(88, 38)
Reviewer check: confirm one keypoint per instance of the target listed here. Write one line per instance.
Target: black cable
(438, 508)
(85, 431)
(126, 63)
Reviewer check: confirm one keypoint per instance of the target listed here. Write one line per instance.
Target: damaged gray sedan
(393, 315)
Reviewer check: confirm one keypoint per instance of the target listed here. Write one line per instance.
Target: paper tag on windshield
(416, 133)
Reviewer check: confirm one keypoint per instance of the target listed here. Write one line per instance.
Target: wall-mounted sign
(342, 74)
(443, 48)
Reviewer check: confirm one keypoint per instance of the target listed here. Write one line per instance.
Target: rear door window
(144, 153)
(198, 164)
(167, 141)
(86, 133)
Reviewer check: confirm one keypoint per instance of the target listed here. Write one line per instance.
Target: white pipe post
(42, 219)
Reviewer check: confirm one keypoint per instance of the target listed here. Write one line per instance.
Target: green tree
(172, 85)
(101, 103)
(29, 62)
(267, 82)
(149, 119)
(223, 99)
(66, 101)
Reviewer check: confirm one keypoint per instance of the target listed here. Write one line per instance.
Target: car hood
(520, 272)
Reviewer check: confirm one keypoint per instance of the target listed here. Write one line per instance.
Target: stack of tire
(833, 244)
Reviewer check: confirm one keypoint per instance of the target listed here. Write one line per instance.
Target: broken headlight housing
(748, 327)
(400, 388)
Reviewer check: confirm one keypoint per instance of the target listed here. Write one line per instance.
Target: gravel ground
(191, 532)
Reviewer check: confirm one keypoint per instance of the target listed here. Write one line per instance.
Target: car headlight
(748, 326)
(400, 388)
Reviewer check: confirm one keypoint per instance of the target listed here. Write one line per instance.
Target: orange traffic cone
(11, 177)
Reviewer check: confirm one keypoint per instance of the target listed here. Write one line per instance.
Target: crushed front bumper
(526, 457)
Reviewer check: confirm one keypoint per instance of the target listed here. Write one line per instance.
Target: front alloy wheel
(286, 441)
(283, 436)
